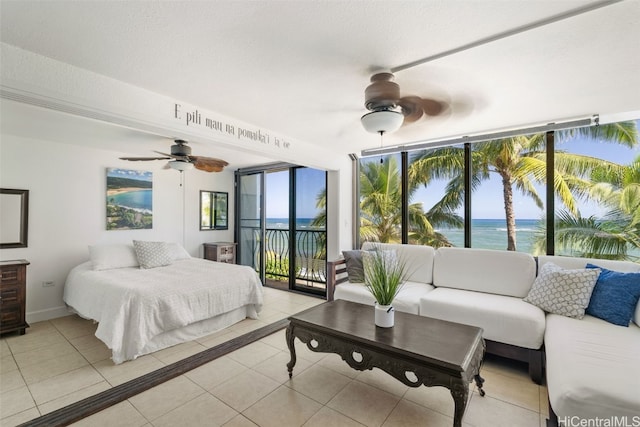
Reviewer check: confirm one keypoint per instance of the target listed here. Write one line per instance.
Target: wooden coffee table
(417, 350)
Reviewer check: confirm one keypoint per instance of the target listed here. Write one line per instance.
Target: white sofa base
(592, 368)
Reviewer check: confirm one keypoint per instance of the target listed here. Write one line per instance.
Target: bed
(142, 309)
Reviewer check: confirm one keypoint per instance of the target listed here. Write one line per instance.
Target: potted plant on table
(384, 276)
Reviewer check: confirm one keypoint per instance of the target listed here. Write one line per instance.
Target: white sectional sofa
(593, 367)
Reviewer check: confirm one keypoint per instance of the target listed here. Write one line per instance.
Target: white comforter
(134, 305)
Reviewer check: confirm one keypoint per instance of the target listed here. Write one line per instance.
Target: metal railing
(310, 255)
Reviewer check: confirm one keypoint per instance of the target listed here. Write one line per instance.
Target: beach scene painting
(129, 199)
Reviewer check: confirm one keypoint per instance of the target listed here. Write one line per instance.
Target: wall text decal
(194, 118)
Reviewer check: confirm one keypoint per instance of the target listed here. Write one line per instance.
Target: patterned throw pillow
(564, 292)
(152, 254)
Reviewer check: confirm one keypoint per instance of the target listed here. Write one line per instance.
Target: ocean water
(485, 233)
(283, 223)
(492, 234)
(141, 199)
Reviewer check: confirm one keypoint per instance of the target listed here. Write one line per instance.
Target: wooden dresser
(13, 296)
(220, 251)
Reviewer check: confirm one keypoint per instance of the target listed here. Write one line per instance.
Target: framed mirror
(14, 218)
(214, 210)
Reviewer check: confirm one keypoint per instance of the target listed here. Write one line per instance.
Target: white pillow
(564, 292)
(176, 251)
(152, 254)
(106, 257)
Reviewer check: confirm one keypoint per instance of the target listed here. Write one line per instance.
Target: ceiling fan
(181, 159)
(389, 111)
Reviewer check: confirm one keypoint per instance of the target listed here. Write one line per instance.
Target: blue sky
(309, 181)
(130, 173)
(487, 201)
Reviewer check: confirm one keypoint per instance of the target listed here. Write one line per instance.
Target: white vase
(384, 315)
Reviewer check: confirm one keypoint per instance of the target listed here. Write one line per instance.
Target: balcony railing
(310, 255)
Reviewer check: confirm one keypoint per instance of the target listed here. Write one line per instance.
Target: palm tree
(380, 208)
(617, 232)
(520, 162)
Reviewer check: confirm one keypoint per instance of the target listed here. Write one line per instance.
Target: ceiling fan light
(180, 165)
(382, 121)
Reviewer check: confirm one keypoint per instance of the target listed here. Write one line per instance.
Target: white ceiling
(300, 67)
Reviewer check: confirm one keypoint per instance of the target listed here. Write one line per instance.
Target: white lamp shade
(180, 165)
(382, 121)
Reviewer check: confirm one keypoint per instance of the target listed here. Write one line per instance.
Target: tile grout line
(93, 404)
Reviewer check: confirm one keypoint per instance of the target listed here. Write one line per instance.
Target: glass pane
(436, 198)
(597, 208)
(205, 214)
(250, 243)
(507, 202)
(310, 228)
(380, 199)
(277, 229)
(221, 208)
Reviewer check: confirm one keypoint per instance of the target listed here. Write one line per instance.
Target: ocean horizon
(486, 233)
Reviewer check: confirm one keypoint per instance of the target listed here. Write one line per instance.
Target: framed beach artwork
(129, 199)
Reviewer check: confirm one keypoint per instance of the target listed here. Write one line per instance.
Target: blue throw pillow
(615, 296)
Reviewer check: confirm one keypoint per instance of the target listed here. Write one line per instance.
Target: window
(213, 210)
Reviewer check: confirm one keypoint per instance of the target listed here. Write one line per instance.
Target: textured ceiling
(300, 67)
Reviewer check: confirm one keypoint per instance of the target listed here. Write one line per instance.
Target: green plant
(384, 275)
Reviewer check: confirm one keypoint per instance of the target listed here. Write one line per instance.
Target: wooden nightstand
(220, 251)
(13, 296)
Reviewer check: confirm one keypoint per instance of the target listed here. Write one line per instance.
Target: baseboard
(48, 314)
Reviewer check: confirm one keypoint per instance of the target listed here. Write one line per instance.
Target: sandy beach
(114, 191)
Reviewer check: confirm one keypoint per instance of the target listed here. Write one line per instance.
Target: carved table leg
(479, 382)
(292, 349)
(460, 394)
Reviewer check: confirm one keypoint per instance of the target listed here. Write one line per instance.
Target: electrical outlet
(48, 283)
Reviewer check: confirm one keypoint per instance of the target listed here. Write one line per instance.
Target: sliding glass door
(281, 226)
(250, 220)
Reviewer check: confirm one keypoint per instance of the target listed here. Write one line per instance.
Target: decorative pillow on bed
(564, 292)
(176, 251)
(152, 254)
(615, 296)
(106, 257)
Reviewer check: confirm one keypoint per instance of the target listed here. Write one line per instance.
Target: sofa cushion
(505, 319)
(355, 269)
(561, 291)
(484, 270)
(575, 262)
(407, 300)
(418, 259)
(592, 368)
(615, 296)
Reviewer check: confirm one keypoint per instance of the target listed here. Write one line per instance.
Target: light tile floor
(59, 362)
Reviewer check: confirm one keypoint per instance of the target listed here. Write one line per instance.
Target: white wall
(67, 206)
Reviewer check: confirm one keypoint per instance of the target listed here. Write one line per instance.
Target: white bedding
(133, 305)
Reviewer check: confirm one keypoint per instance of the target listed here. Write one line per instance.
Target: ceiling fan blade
(207, 168)
(432, 107)
(411, 108)
(143, 159)
(171, 156)
(208, 164)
